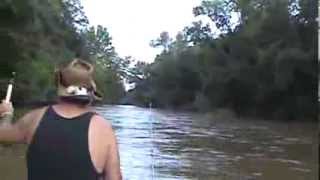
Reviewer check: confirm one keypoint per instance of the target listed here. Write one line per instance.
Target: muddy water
(157, 144)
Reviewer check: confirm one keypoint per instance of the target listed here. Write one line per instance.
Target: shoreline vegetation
(253, 58)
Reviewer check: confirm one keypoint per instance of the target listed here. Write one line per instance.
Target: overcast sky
(134, 23)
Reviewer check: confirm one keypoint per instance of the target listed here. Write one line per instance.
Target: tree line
(38, 35)
(255, 57)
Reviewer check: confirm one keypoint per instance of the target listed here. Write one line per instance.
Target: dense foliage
(262, 62)
(37, 35)
(255, 57)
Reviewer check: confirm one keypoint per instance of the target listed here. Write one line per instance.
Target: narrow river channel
(158, 144)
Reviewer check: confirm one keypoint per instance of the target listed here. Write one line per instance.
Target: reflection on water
(169, 145)
(156, 144)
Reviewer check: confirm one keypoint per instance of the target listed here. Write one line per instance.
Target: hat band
(77, 91)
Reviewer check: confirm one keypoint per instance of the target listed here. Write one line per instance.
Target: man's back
(66, 140)
(60, 150)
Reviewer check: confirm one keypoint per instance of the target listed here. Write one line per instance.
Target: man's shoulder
(36, 113)
(32, 117)
(101, 124)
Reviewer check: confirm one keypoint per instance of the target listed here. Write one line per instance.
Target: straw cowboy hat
(75, 81)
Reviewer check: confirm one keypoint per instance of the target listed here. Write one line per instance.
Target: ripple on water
(288, 161)
(166, 145)
(180, 146)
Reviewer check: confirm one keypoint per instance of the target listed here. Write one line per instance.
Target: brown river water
(165, 145)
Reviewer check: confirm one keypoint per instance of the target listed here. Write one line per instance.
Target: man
(67, 141)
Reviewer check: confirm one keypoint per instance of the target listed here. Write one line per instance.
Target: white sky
(134, 23)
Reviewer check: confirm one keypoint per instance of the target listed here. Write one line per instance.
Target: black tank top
(59, 149)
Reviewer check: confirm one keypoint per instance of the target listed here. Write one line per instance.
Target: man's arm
(12, 133)
(112, 166)
(17, 132)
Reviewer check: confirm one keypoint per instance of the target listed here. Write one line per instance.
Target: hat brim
(97, 96)
(80, 99)
(94, 95)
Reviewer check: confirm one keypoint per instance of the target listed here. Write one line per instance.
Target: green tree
(110, 69)
(198, 33)
(42, 34)
(163, 41)
(264, 64)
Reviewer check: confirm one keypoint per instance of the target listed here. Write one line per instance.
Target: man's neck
(70, 109)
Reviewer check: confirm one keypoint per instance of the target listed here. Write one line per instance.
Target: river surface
(165, 145)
